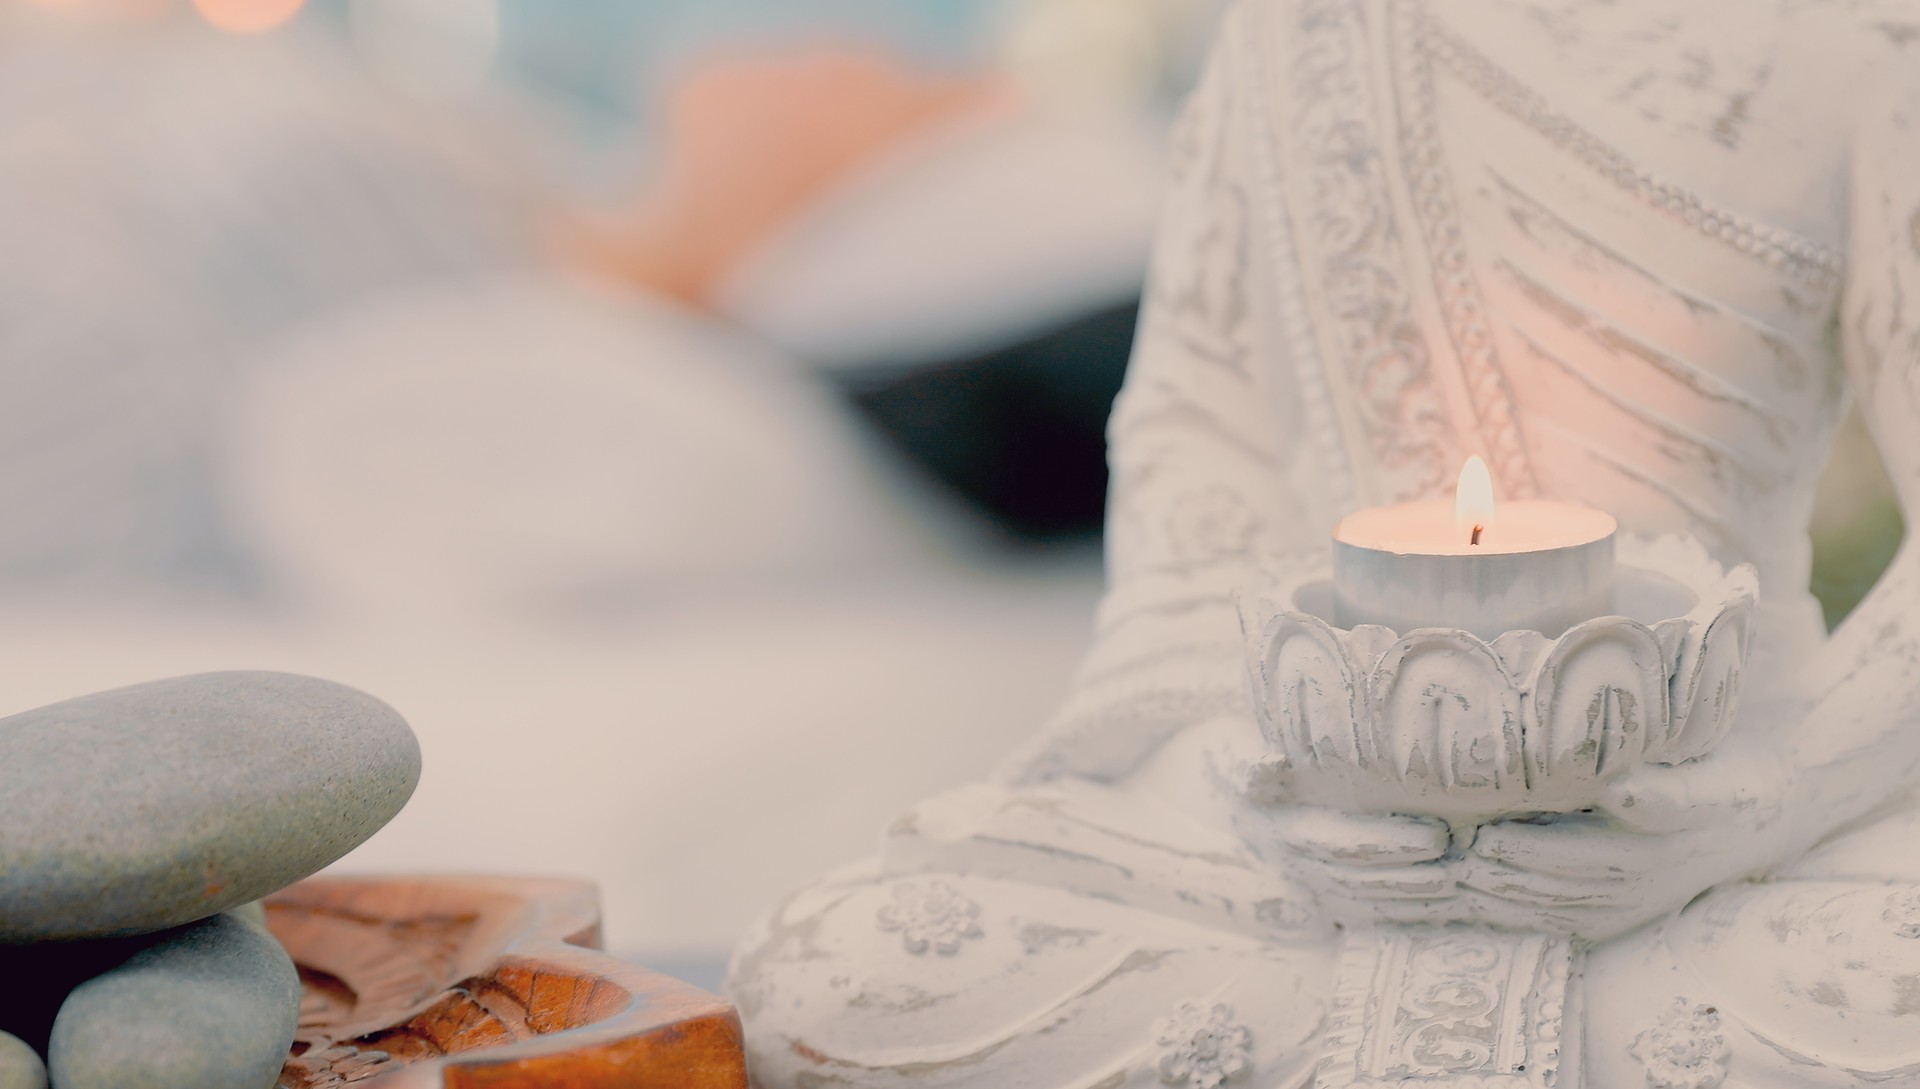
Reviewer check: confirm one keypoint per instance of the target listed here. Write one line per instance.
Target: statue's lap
(1023, 929)
(1814, 975)
(1087, 911)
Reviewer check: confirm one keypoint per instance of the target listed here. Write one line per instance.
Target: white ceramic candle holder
(1438, 721)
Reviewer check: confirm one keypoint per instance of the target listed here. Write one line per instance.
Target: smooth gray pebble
(145, 808)
(212, 1006)
(20, 1065)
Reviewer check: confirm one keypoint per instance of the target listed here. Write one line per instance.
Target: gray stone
(211, 1006)
(252, 912)
(20, 1065)
(149, 807)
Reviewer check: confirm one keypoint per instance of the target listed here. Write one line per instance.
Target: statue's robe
(1635, 257)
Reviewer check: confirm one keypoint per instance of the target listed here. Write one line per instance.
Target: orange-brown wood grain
(485, 983)
(680, 1056)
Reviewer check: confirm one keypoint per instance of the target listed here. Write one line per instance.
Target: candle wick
(1477, 531)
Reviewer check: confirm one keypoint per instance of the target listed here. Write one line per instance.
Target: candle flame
(1473, 498)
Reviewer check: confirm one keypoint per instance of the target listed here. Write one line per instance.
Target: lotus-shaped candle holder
(1439, 722)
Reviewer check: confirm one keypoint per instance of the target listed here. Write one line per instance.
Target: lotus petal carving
(1448, 715)
(1598, 695)
(1317, 706)
(1707, 684)
(1438, 721)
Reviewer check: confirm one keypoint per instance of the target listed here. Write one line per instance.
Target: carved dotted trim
(1351, 237)
(1459, 296)
(1549, 1011)
(1296, 327)
(1809, 261)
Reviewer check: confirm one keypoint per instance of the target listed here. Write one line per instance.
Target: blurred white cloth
(521, 447)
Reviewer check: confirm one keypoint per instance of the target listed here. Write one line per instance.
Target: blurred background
(686, 412)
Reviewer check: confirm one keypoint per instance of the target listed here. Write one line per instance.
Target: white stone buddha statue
(1636, 253)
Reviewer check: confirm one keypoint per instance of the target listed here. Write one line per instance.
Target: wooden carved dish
(486, 983)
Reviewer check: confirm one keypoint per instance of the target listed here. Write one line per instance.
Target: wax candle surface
(1434, 529)
(1471, 564)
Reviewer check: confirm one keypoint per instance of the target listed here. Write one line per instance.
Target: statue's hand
(1361, 867)
(1661, 837)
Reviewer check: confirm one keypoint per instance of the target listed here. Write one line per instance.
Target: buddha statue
(1637, 253)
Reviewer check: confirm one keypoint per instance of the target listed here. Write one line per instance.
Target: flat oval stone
(143, 808)
(212, 1006)
(20, 1065)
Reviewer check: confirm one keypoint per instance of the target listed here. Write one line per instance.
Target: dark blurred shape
(1020, 432)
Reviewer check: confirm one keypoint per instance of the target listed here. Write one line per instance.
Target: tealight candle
(1471, 564)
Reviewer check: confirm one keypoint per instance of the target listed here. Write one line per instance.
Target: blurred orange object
(247, 16)
(750, 141)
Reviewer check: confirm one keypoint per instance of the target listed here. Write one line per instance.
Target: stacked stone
(137, 829)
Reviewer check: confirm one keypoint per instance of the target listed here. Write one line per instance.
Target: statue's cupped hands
(1660, 838)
